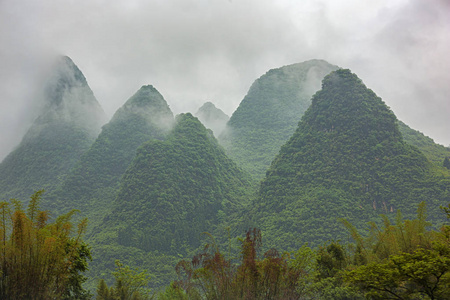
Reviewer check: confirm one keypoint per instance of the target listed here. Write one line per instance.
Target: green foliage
(405, 261)
(173, 292)
(92, 184)
(42, 159)
(268, 115)
(211, 276)
(173, 191)
(347, 159)
(434, 152)
(130, 284)
(67, 125)
(40, 259)
(446, 163)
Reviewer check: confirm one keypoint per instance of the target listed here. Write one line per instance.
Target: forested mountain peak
(91, 185)
(68, 98)
(174, 190)
(269, 113)
(346, 159)
(69, 121)
(345, 103)
(148, 104)
(212, 117)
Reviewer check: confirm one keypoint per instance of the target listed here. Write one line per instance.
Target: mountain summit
(69, 99)
(347, 159)
(69, 122)
(269, 113)
(212, 117)
(91, 184)
(174, 190)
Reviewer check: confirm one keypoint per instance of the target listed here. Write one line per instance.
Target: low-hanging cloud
(212, 50)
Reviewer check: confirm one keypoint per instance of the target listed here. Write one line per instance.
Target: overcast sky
(195, 51)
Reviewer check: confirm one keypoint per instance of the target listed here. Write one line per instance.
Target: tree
(130, 284)
(211, 276)
(405, 261)
(446, 163)
(40, 259)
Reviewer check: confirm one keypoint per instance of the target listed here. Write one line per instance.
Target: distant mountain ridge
(269, 113)
(212, 117)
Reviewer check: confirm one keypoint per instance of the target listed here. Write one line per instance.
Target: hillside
(173, 191)
(434, 152)
(269, 113)
(69, 122)
(347, 159)
(91, 185)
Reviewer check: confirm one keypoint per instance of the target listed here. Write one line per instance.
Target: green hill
(347, 159)
(173, 191)
(434, 152)
(68, 124)
(269, 113)
(92, 184)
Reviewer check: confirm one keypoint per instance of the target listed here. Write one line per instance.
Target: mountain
(68, 124)
(347, 159)
(434, 152)
(173, 191)
(212, 117)
(91, 185)
(269, 113)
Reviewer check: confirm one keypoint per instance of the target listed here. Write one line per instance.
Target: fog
(194, 51)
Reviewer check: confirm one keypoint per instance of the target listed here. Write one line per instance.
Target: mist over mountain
(92, 183)
(268, 115)
(212, 117)
(347, 159)
(69, 121)
(324, 145)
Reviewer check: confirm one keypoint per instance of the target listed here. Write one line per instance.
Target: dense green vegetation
(40, 259)
(67, 125)
(405, 260)
(434, 152)
(347, 159)
(172, 192)
(153, 187)
(92, 184)
(268, 115)
(41, 161)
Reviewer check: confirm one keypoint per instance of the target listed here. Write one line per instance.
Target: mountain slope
(69, 122)
(91, 185)
(173, 191)
(347, 159)
(434, 152)
(176, 189)
(268, 115)
(212, 117)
